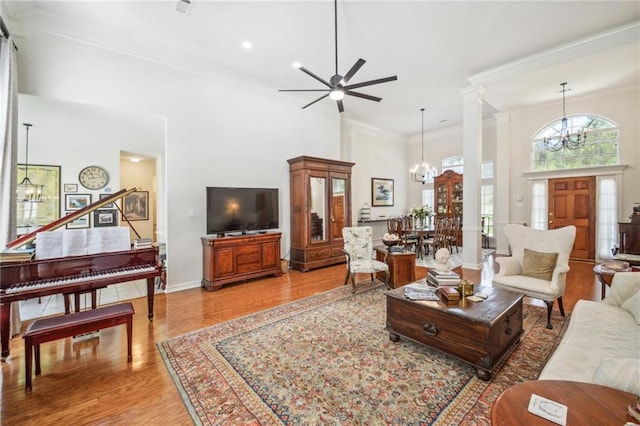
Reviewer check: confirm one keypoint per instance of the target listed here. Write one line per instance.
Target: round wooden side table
(586, 403)
(605, 276)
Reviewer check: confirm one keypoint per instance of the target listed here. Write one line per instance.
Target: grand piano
(73, 274)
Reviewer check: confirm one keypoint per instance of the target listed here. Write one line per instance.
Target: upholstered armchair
(358, 247)
(538, 264)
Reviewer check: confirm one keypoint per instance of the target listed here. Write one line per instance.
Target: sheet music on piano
(77, 242)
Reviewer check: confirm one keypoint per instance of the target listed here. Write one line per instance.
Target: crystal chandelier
(423, 172)
(565, 139)
(27, 191)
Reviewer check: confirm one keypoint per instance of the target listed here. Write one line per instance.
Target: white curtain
(539, 204)
(8, 154)
(606, 217)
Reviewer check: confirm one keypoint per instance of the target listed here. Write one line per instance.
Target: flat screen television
(241, 210)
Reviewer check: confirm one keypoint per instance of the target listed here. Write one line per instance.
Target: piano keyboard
(36, 285)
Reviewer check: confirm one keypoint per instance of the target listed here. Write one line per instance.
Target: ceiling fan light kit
(337, 86)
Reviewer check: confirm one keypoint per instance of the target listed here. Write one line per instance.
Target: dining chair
(454, 228)
(440, 237)
(409, 237)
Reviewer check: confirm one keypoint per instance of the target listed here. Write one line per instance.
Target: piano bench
(62, 326)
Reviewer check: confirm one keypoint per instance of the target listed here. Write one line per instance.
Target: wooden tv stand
(230, 259)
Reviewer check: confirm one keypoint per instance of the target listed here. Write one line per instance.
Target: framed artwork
(76, 201)
(49, 176)
(111, 205)
(381, 192)
(136, 205)
(103, 218)
(81, 222)
(70, 187)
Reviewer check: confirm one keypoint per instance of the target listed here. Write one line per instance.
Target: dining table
(422, 233)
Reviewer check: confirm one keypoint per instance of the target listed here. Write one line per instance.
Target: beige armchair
(358, 247)
(538, 264)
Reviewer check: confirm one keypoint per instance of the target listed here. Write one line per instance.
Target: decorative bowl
(390, 243)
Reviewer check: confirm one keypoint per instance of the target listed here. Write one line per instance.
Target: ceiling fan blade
(303, 90)
(362, 95)
(306, 71)
(319, 99)
(340, 106)
(371, 82)
(354, 69)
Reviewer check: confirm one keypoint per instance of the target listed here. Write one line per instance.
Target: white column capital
(472, 92)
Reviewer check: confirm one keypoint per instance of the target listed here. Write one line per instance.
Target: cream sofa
(602, 341)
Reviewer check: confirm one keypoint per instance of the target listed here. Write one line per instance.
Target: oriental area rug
(327, 360)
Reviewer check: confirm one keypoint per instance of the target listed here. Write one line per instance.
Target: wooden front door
(572, 201)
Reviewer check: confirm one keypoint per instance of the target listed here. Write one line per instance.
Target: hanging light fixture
(565, 139)
(26, 190)
(423, 172)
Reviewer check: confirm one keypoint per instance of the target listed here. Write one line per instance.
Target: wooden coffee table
(479, 333)
(587, 404)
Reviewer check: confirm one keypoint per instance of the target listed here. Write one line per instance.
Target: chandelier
(422, 172)
(565, 139)
(27, 191)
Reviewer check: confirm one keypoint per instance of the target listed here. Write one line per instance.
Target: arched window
(601, 148)
(455, 163)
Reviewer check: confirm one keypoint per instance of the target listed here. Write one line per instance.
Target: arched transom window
(601, 148)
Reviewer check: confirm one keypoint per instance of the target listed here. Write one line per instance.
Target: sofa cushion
(619, 373)
(539, 265)
(632, 305)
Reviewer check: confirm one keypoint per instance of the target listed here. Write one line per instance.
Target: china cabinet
(448, 197)
(448, 194)
(320, 208)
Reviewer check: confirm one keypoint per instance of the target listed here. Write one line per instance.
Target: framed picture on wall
(79, 223)
(110, 205)
(136, 206)
(70, 187)
(102, 218)
(381, 192)
(76, 201)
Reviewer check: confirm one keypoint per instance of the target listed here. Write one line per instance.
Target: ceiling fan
(337, 86)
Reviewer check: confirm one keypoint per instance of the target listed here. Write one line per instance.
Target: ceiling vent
(183, 6)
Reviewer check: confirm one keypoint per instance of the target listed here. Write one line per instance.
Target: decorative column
(501, 187)
(472, 179)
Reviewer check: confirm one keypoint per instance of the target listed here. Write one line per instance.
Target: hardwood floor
(88, 381)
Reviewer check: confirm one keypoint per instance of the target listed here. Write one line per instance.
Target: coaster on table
(548, 409)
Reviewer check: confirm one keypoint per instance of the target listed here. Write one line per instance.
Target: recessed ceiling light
(247, 44)
(183, 6)
(135, 159)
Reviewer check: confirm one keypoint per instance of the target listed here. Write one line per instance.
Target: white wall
(221, 130)
(380, 154)
(621, 106)
(73, 136)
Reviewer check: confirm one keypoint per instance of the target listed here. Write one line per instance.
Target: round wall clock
(93, 177)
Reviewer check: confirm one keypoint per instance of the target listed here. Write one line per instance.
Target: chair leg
(386, 280)
(372, 277)
(549, 308)
(560, 306)
(353, 283)
(346, 279)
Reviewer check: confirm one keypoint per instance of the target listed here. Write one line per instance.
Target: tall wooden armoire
(320, 208)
